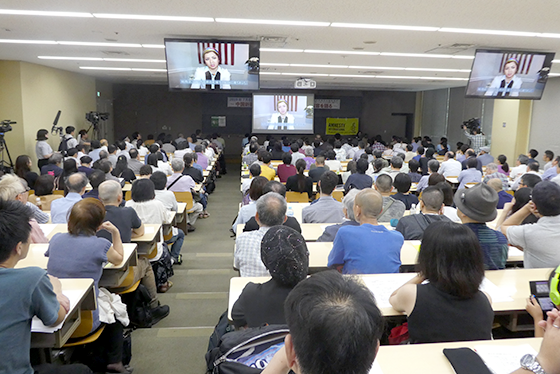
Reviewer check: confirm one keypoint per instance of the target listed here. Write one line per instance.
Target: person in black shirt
(316, 172)
(190, 170)
(299, 182)
(402, 183)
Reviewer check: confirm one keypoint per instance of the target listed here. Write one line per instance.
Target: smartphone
(541, 291)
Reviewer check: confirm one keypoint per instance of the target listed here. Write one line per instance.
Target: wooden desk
(181, 217)
(148, 242)
(429, 358)
(80, 290)
(113, 275)
(51, 229)
(205, 173)
(512, 284)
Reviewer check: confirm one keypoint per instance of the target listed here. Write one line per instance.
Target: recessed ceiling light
(307, 74)
(320, 66)
(45, 13)
(442, 70)
(269, 73)
(444, 78)
(398, 54)
(272, 22)
(104, 68)
(147, 17)
(153, 46)
(152, 70)
(376, 67)
(280, 50)
(70, 58)
(384, 27)
(488, 32)
(19, 41)
(342, 52)
(96, 44)
(351, 76)
(133, 60)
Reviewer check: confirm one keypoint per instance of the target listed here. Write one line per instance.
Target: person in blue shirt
(369, 248)
(359, 180)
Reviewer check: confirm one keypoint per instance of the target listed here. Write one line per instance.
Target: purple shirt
(185, 184)
(202, 160)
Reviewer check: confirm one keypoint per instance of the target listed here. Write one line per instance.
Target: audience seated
(493, 173)
(299, 182)
(190, 170)
(521, 197)
(134, 162)
(326, 209)
(484, 156)
(249, 210)
(450, 167)
(318, 168)
(287, 169)
(413, 166)
(23, 170)
(475, 207)
(85, 165)
(470, 175)
(266, 169)
(349, 219)
(122, 170)
(309, 159)
(76, 186)
(450, 259)
(530, 176)
(271, 211)
(539, 241)
(497, 185)
(202, 160)
(412, 227)
(252, 156)
(471, 154)
(26, 292)
(95, 179)
(360, 180)
(402, 184)
(284, 254)
(433, 166)
(295, 153)
(54, 166)
(520, 167)
(392, 208)
(44, 187)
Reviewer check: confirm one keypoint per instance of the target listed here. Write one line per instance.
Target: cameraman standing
(477, 138)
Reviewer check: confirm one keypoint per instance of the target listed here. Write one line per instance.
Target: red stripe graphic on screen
(226, 51)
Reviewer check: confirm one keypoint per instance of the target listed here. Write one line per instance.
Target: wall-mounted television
(507, 74)
(283, 113)
(211, 65)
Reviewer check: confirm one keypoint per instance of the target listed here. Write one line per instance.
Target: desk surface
(429, 358)
(510, 285)
(151, 232)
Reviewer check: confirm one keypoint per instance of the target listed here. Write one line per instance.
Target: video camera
(472, 125)
(95, 117)
(5, 126)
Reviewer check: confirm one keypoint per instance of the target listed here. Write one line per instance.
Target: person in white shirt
(166, 197)
(178, 182)
(340, 152)
(532, 168)
(548, 158)
(450, 167)
(520, 167)
(71, 142)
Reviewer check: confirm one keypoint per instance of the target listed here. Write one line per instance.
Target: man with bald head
(369, 248)
(503, 196)
(60, 208)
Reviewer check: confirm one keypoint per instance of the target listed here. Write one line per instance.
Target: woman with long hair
(69, 167)
(503, 166)
(122, 170)
(23, 170)
(450, 307)
(300, 182)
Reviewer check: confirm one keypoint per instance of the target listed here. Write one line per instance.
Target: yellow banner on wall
(343, 126)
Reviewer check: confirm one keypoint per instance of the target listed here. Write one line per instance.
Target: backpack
(138, 307)
(247, 351)
(63, 147)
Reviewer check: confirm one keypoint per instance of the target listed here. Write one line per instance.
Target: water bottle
(413, 209)
(290, 212)
(38, 203)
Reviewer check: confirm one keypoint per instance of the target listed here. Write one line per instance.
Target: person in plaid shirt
(477, 139)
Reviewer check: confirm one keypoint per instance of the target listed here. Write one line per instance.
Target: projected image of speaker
(283, 113)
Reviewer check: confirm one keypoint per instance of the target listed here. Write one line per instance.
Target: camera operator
(477, 138)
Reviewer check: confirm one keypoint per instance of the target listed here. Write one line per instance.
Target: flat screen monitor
(283, 113)
(505, 74)
(211, 65)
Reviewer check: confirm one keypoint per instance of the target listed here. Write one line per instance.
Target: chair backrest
(338, 195)
(297, 197)
(185, 197)
(128, 195)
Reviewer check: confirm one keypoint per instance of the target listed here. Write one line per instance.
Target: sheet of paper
(497, 295)
(38, 326)
(47, 228)
(503, 359)
(149, 229)
(375, 368)
(383, 287)
(514, 252)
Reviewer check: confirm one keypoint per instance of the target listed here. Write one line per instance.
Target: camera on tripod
(6, 126)
(472, 125)
(95, 117)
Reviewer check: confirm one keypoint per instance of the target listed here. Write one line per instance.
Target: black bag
(63, 146)
(238, 347)
(138, 307)
(222, 328)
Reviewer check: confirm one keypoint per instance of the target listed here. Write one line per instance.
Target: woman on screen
(507, 84)
(211, 72)
(282, 116)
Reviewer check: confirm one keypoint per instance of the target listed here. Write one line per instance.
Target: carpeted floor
(200, 292)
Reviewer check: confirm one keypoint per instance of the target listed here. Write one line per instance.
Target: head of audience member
(548, 156)
(285, 255)
(522, 160)
(95, 144)
(286, 158)
(378, 165)
(143, 190)
(396, 163)
(533, 165)
(420, 150)
(327, 183)
(159, 179)
(198, 148)
(496, 184)
(271, 210)
(15, 231)
(152, 159)
(85, 161)
(368, 204)
(451, 259)
(308, 152)
(294, 147)
(13, 188)
(110, 193)
(529, 180)
(402, 183)
(177, 165)
(76, 183)
(476, 204)
(470, 153)
(472, 163)
(449, 156)
(447, 192)
(105, 166)
(432, 201)
(435, 178)
(188, 160)
(348, 204)
(362, 166)
(154, 148)
(430, 153)
(275, 186)
(502, 160)
(145, 171)
(323, 304)
(23, 165)
(464, 148)
(384, 184)
(96, 178)
(112, 149)
(266, 158)
(69, 167)
(352, 167)
(134, 155)
(546, 197)
(85, 217)
(491, 168)
(533, 153)
(121, 145)
(413, 166)
(72, 152)
(44, 185)
(320, 161)
(256, 188)
(103, 155)
(56, 159)
(520, 198)
(433, 166)
(484, 150)
(255, 170)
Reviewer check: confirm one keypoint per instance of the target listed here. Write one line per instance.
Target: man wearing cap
(539, 241)
(475, 207)
(484, 156)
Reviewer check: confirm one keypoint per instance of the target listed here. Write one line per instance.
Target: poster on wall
(343, 126)
(239, 102)
(327, 103)
(218, 121)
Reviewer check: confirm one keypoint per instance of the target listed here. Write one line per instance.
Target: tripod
(4, 165)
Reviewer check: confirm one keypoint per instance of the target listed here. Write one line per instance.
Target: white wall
(545, 127)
